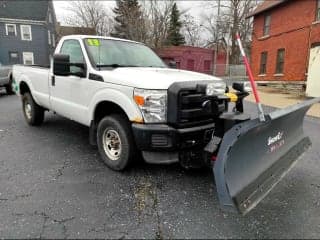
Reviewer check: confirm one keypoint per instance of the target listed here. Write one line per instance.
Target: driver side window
(73, 49)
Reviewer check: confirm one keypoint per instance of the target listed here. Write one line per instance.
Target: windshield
(114, 53)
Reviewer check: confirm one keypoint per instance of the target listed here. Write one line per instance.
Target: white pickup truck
(132, 102)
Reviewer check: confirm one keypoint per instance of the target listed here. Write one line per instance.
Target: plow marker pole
(252, 82)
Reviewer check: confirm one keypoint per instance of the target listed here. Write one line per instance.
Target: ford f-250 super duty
(134, 104)
(130, 99)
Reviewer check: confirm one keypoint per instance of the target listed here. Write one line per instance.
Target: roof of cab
(99, 37)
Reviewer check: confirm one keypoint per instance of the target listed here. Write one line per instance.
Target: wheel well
(24, 88)
(106, 108)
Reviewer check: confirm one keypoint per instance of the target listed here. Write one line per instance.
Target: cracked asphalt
(53, 186)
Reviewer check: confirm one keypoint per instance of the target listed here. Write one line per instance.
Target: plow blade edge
(254, 156)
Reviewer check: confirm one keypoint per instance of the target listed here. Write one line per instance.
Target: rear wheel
(115, 142)
(33, 113)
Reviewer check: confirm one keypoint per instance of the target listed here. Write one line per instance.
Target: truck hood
(152, 78)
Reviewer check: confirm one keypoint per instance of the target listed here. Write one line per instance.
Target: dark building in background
(27, 32)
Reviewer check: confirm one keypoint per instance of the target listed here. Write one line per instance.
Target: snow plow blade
(254, 156)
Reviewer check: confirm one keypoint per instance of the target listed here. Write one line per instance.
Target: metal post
(216, 41)
(251, 78)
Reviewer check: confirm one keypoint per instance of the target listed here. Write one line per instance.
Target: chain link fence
(230, 72)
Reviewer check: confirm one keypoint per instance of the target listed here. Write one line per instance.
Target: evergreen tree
(129, 21)
(174, 37)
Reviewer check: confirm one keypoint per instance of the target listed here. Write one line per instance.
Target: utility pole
(216, 40)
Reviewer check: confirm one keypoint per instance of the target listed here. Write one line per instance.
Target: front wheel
(33, 113)
(115, 142)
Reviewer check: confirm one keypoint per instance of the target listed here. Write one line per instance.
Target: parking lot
(53, 186)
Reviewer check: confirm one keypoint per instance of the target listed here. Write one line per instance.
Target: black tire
(9, 89)
(33, 113)
(116, 127)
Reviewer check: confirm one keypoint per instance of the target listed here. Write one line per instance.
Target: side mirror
(63, 67)
(172, 64)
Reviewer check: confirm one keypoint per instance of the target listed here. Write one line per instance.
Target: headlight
(242, 86)
(153, 104)
(247, 87)
(216, 88)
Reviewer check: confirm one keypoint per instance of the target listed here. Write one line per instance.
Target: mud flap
(254, 156)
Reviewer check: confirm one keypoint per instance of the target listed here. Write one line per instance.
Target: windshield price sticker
(93, 42)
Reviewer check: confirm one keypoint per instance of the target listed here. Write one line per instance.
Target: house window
(50, 18)
(207, 65)
(266, 26)
(28, 58)
(280, 61)
(49, 37)
(190, 64)
(11, 30)
(318, 11)
(26, 32)
(13, 57)
(263, 62)
(53, 40)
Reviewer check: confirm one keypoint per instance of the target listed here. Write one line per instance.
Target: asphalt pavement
(54, 186)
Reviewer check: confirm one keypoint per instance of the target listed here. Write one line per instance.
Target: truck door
(68, 93)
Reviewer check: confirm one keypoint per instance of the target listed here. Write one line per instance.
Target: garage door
(313, 82)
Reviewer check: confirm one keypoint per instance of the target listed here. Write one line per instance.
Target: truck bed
(36, 76)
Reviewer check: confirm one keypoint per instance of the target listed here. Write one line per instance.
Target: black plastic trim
(95, 77)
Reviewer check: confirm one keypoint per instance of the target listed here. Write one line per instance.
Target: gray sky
(196, 8)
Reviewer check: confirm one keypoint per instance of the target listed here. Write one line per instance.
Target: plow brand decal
(275, 142)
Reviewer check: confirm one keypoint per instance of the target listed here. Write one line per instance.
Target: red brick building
(194, 58)
(284, 32)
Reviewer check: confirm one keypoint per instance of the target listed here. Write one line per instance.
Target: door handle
(53, 80)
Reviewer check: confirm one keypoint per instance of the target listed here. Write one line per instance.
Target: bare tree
(231, 20)
(192, 30)
(90, 13)
(157, 14)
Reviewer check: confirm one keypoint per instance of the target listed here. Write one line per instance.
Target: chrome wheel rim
(112, 144)
(28, 110)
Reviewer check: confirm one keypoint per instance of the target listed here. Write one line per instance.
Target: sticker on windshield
(93, 42)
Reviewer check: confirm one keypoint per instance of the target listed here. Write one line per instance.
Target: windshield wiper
(154, 67)
(115, 65)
